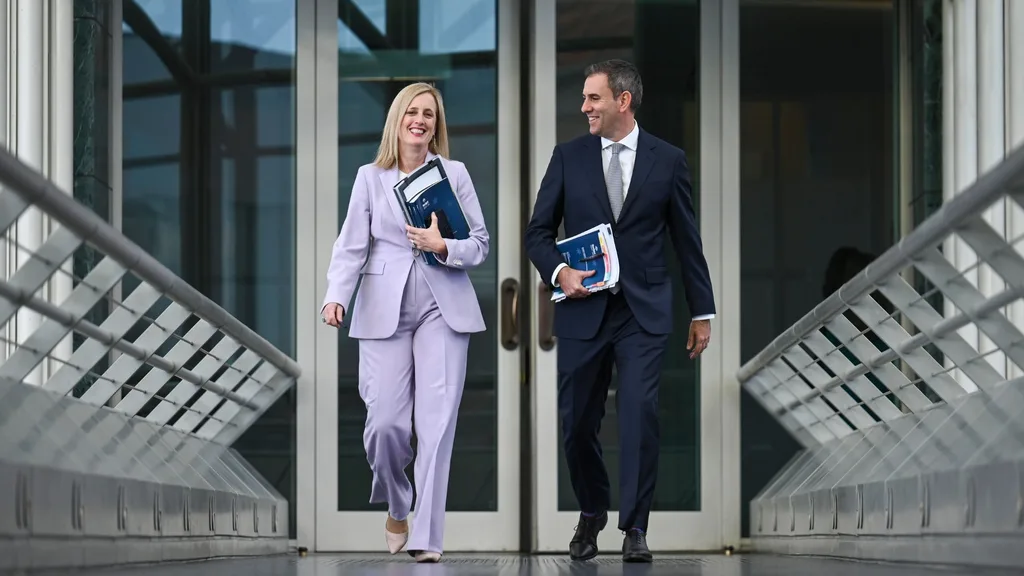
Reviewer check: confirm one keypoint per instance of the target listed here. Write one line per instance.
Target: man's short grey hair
(622, 76)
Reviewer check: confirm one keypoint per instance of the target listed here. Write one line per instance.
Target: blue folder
(591, 250)
(427, 191)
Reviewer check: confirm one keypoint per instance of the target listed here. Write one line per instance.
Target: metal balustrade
(119, 402)
(905, 389)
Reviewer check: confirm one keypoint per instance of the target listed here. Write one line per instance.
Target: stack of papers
(591, 250)
(427, 191)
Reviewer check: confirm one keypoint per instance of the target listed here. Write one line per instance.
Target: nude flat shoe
(396, 541)
(428, 557)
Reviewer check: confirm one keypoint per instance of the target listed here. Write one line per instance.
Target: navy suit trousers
(584, 376)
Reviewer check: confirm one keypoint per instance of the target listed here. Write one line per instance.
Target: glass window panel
(145, 65)
(252, 36)
(448, 26)
(476, 111)
(363, 108)
(163, 115)
(816, 175)
(274, 117)
(153, 220)
(375, 11)
(209, 173)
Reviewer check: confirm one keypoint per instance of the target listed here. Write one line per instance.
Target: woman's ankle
(397, 526)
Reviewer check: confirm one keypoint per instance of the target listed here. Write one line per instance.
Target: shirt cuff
(554, 275)
(444, 259)
(703, 317)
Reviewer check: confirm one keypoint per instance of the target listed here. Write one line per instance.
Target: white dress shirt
(627, 158)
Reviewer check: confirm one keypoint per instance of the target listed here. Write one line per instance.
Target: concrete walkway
(487, 565)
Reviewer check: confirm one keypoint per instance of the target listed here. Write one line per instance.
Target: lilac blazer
(373, 244)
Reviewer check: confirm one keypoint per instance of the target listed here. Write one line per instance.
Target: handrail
(35, 189)
(1007, 175)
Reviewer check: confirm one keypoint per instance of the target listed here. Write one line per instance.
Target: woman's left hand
(427, 239)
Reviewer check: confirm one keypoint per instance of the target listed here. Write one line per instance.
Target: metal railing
(904, 388)
(117, 412)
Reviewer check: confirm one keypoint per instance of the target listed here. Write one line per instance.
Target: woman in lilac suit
(412, 320)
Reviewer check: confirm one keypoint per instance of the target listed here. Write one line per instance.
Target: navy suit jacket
(573, 192)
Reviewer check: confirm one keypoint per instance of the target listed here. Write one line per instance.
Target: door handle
(545, 317)
(510, 314)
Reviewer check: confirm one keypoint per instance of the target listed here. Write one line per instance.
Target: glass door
(663, 37)
(367, 50)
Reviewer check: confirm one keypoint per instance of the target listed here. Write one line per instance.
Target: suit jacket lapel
(641, 168)
(388, 179)
(595, 167)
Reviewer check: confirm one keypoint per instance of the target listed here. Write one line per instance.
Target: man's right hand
(571, 282)
(334, 314)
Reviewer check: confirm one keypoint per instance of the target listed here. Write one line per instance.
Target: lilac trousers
(413, 381)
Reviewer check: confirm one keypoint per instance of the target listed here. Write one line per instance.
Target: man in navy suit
(621, 175)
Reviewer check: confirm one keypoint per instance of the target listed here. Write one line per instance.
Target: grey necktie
(613, 180)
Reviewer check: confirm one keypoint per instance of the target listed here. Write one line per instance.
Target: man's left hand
(700, 337)
(427, 239)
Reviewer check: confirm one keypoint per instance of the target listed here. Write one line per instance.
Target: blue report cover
(594, 250)
(427, 191)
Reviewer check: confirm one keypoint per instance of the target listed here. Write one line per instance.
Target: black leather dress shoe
(634, 547)
(583, 545)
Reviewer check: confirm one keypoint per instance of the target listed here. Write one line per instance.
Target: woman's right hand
(334, 314)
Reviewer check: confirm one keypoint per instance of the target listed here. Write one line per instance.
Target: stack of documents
(591, 250)
(427, 191)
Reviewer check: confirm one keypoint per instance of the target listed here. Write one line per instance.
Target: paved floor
(377, 565)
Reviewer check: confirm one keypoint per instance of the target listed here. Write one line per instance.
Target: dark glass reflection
(209, 171)
(452, 43)
(816, 174)
(667, 56)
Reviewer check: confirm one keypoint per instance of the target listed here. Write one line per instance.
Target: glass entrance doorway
(358, 53)
(379, 47)
(663, 38)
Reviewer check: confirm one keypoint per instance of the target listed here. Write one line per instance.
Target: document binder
(427, 191)
(594, 250)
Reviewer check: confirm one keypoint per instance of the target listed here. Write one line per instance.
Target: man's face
(604, 112)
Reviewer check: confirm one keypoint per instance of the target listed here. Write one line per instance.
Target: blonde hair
(387, 153)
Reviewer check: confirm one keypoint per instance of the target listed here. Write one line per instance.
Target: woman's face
(418, 121)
